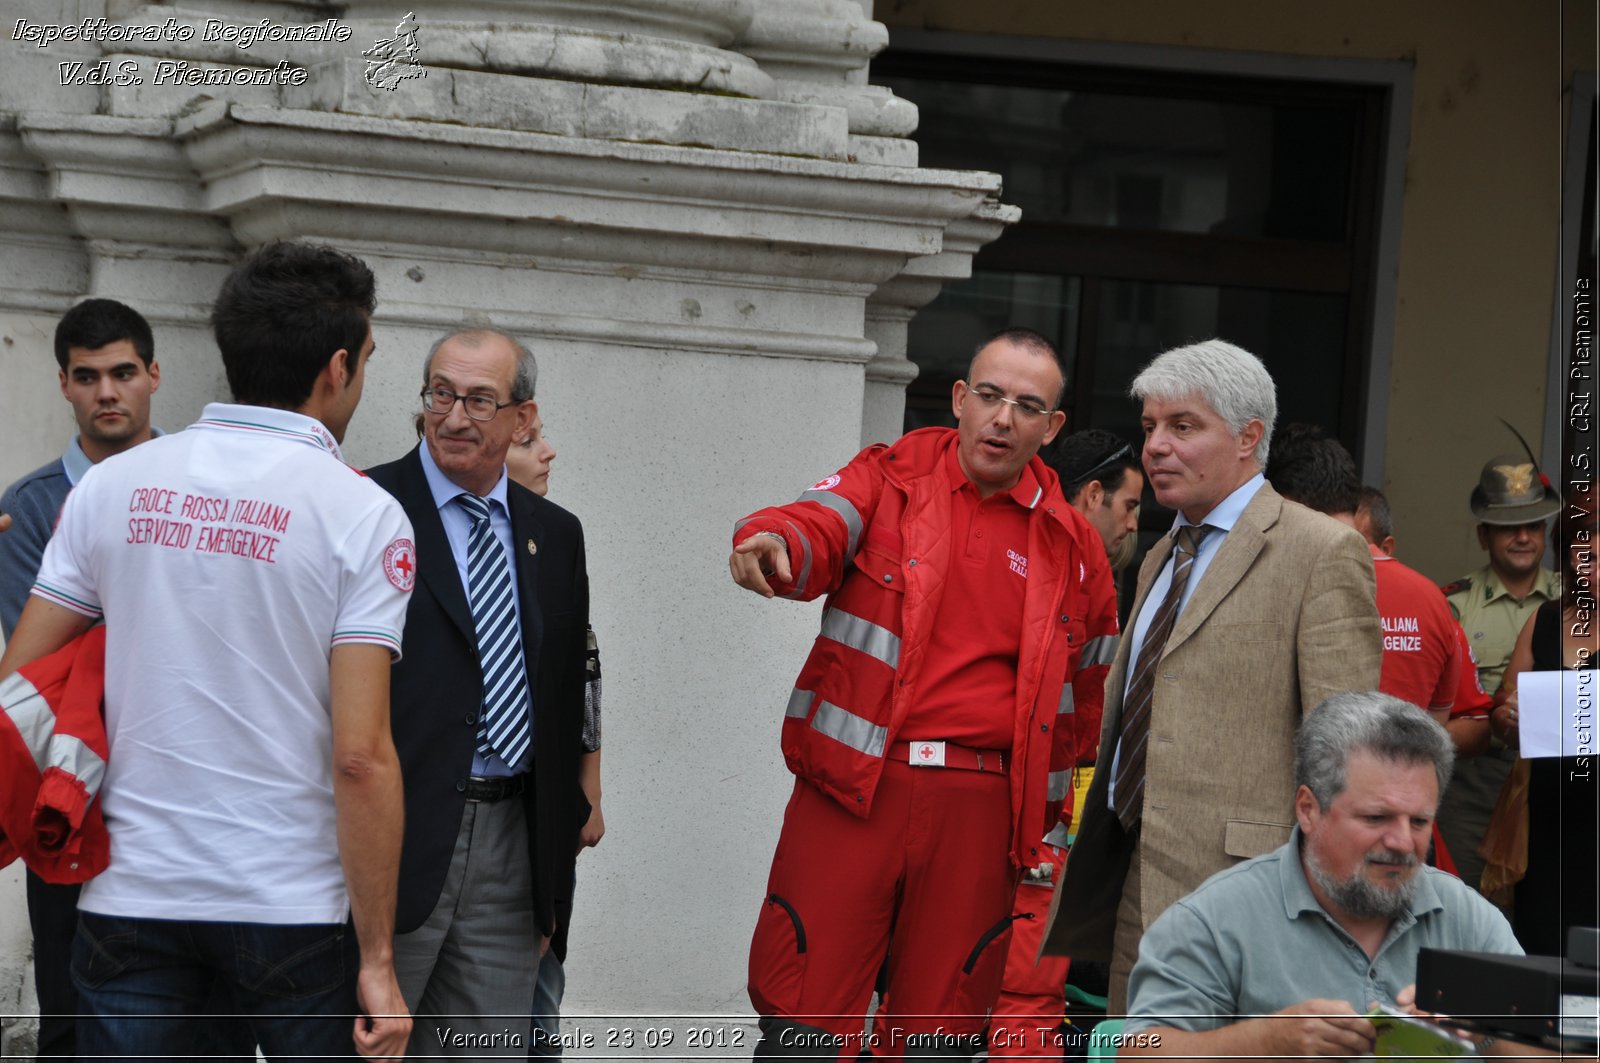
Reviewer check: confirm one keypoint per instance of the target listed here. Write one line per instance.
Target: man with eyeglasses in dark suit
(487, 707)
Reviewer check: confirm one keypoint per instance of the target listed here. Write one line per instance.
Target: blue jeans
(141, 982)
(53, 917)
(547, 1007)
(547, 994)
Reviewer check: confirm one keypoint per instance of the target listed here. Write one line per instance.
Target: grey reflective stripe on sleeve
(1058, 836)
(863, 635)
(858, 733)
(841, 506)
(799, 704)
(1058, 786)
(1099, 650)
(30, 714)
(805, 561)
(73, 756)
(1066, 706)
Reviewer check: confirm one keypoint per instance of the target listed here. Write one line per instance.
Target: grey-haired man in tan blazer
(1273, 612)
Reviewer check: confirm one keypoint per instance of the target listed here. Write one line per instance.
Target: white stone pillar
(896, 302)
(682, 238)
(817, 52)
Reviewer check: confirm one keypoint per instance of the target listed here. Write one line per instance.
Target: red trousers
(926, 880)
(1028, 1013)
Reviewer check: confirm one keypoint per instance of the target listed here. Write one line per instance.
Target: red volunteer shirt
(1421, 640)
(969, 684)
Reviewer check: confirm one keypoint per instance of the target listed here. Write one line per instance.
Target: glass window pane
(1129, 161)
(1299, 336)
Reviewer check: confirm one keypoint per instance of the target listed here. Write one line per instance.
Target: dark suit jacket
(437, 686)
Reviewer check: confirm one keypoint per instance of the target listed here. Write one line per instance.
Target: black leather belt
(496, 789)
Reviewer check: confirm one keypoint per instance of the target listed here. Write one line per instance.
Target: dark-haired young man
(108, 373)
(1101, 478)
(254, 588)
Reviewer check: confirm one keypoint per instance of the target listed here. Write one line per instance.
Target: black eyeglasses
(479, 407)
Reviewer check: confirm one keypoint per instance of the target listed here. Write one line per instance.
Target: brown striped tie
(1128, 789)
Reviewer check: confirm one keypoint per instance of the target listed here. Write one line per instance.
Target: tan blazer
(1284, 616)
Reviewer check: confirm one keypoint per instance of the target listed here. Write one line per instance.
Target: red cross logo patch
(400, 564)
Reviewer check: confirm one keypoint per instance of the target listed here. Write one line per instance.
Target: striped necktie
(504, 725)
(1128, 787)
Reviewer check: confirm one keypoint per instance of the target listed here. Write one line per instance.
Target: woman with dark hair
(1559, 889)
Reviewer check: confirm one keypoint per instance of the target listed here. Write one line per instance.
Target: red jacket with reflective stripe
(52, 761)
(875, 537)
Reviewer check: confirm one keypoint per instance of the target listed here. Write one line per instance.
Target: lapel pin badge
(533, 547)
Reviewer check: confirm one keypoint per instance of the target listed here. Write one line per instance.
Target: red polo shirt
(1421, 639)
(969, 684)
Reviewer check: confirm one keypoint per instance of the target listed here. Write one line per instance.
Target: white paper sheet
(1556, 713)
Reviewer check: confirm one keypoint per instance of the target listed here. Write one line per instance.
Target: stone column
(817, 52)
(891, 308)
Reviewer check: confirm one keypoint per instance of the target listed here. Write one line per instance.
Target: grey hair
(1388, 728)
(522, 384)
(1229, 379)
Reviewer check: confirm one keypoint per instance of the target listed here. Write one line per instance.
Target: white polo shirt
(227, 560)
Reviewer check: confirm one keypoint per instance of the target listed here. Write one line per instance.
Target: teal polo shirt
(1253, 940)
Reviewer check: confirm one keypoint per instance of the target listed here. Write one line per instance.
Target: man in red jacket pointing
(969, 621)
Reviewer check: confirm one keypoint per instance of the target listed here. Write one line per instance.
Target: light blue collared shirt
(458, 529)
(1219, 522)
(76, 462)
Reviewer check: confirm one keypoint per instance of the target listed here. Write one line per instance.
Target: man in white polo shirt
(254, 590)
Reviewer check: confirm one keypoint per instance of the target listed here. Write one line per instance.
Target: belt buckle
(926, 755)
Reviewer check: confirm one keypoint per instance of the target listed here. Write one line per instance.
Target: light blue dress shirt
(458, 529)
(1220, 521)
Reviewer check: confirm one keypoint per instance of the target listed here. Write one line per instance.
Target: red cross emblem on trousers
(925, 752)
